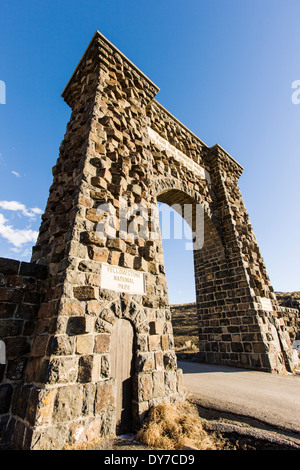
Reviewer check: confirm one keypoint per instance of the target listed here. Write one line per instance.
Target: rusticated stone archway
(99, 239)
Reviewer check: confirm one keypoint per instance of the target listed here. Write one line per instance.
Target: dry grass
(171, 427)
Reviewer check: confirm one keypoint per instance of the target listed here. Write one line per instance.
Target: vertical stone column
(238, 326)
(69, 393)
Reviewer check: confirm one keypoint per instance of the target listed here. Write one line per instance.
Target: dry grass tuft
(173, 426)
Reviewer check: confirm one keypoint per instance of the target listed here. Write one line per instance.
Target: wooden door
(121, 367)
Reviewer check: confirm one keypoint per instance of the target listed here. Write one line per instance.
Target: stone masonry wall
(21, 286)
(230, 275)
(290, 317)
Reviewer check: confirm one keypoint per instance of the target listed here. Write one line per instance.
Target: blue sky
(225, 68)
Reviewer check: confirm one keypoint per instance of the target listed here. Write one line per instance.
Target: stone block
(145, 387)
(15, 368)
(126, 260)
(116, 244)
(6, 391)
(170, 383)
(159, 362)
(49, 437)
(84, 344)
(76, 326)
(156, 327)
(100, 148)
(62, 345)
(180, 385)
(17, 346)
(142, 342)
(40, 407)
(93, 215)
(114, 258)
(27, 311)
(170, 362)
(87, 368)
(7, 310)
(84, 292)
(9, 266)
(71, 308)
(34, 270)
(67, 404)
(10, 327)
(98, 254)
(149, 251)
(89, 390)
(105, 367)
(20, 400)
(165, 342)
(39, 346)
(102, 343)
(46, 310)
(158, 384)
(145, 362)
(63, 370)
(10, 295)
(140, 264)
(154, 343)
(105, 396)
(93, 238)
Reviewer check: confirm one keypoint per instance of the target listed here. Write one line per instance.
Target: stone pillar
(69, 393)
(236, 302)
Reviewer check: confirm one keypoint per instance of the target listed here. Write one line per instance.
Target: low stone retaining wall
(20, 295)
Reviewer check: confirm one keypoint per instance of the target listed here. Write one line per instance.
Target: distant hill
(185, 329)
(289, 299)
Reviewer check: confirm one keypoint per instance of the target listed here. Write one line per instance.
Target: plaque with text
(122, 279)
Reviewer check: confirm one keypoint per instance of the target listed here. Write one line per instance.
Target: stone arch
(121, 142)
(163, 188)
(212, 283)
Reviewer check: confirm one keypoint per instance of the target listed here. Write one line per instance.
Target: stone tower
(103, 352)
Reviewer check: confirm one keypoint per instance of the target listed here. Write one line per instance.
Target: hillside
(185, 330)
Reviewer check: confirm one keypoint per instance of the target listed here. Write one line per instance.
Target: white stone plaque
(122, 279)
(163, 144)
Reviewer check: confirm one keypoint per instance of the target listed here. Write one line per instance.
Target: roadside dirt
(229, 432)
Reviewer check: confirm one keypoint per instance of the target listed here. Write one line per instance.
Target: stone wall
(21, 286)
(290, 317)
(234, 295)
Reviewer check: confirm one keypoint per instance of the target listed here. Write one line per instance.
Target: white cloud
(17, 237)
(16, 174)
(37, 210)
(18, 206)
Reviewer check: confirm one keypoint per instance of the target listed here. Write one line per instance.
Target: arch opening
(197, 320)
(177, 217)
